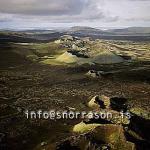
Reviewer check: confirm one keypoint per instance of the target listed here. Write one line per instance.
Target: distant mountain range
(125, 31)
(85, 30)
(131, 33)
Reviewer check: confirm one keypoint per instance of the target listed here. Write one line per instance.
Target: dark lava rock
(118, 103)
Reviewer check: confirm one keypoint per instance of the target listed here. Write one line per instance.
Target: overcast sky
(21, 14)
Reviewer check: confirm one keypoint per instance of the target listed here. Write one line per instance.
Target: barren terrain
(28, 83)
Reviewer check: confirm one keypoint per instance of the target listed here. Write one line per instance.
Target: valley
(49, 72)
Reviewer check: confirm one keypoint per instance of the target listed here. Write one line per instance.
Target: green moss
(140, 112)
(47, 48)
(84, 128)
(32, 57)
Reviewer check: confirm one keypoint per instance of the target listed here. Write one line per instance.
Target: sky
(48, 14)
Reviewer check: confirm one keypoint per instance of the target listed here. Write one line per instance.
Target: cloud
(97, 12)
(41, 7)
(54, 10)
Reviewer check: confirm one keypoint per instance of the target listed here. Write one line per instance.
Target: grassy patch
(47, 48)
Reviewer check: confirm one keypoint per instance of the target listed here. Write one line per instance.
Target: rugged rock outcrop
(116, 132)
(81, 52)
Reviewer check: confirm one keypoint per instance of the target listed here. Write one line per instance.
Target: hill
(82, 30)
(131, 31)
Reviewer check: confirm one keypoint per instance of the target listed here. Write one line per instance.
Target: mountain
(88, 31)
(131, 31)
(35, 35)
(82, 30)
